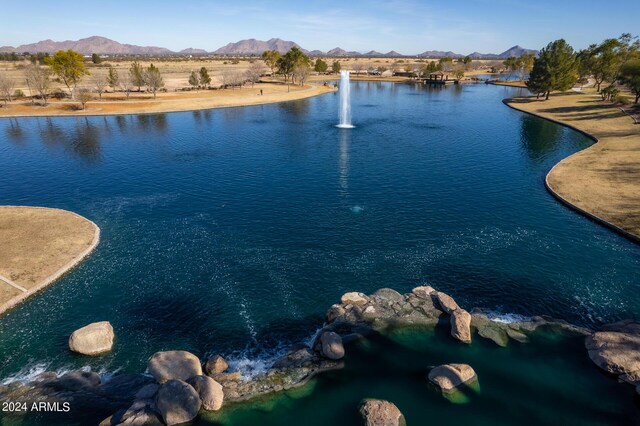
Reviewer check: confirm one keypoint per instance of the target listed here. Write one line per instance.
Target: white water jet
(345, 102)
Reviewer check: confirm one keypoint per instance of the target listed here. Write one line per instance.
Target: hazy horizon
(406, 26)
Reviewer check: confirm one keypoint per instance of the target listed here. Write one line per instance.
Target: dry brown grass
(604, 179)
(38, 245)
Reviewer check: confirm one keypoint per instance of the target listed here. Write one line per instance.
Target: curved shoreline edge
(632, 237)
(310, 92)
(16, 300)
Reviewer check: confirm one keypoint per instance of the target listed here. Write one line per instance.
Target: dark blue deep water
(233, 230)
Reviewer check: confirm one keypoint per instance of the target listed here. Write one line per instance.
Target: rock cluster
(449, 377)
(93, 339)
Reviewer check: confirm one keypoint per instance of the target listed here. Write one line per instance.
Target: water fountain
(345, 102)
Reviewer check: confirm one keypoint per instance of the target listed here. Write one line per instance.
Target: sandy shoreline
(144, 103)
(602, 181)
(40, 245)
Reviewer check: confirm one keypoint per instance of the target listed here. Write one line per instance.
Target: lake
(232, 231)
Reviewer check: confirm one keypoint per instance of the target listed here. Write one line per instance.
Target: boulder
(331, 345)
(177, 402)
(446, 302)
(168, 365)
(461, 325)
(354, 298)
(125, 386)
(210, 392)
(215, 365)
(388, 295)
(495, 333)
(449, 377)
(424, 291)
(75, 380)
(616, 349)
(335, 312)
(377, 412)
(92, 339)
(297, 356)
(147, 392)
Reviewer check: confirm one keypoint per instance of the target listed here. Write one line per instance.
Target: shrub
(18, 94)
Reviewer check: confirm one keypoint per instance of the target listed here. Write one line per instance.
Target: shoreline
(624, 220)
(163, 105)
(58, 273)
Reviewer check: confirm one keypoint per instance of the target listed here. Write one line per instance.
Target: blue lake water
(232, 231)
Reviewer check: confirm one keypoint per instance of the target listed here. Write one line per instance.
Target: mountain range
(103, 45)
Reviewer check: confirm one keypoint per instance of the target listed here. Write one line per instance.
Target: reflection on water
(344, 161)
(14, 131)
(539, 137)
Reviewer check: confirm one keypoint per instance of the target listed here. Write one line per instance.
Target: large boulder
(77, 379)
(168, 365)
(461, 325)
(388, 295)
(210, 392)
(377, 412)
(449, 377)
(616, 349)
(424, 291)
(177, 402)
(215, 365)
(330, 345)
(354, 298)
(92, 339)
(446, 302)
(495, 333)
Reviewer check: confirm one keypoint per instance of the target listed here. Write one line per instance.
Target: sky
(406, 26)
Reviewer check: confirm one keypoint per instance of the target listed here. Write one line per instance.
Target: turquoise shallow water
(232, 231)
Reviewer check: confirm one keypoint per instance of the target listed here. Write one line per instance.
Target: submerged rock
(378, 412)
(75, 380)
(449, 377)
(494, 332)
(168, 365)
(616, 349)
(210, 392)
(215, 365)
(177, 402)
(92, 339)
(461, 325)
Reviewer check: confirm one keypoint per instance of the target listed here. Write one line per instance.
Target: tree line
(614, 62)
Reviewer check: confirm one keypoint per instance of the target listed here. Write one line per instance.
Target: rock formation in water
(93, 339)
(378, 412)
(449, 377)
(616, 349)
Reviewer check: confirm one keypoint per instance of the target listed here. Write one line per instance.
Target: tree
(254, 72)
(525, 63)
(6, 88)
(467, 62)
(271, 58)
(336, 67)
(112, 78)
(358, 67)
(38, 80)
(554, 69)
(511, 63)
(320, 66)
(126, 83)
(301, 72)
(95, 58)
(205, 80)
(137, 75)
(630, 76)
(605, 61)
(459, 74)
(84, 96)
(194, 80)
(446, 63)
(100, 84)
(69, 67)
(292, 60)
(153, 79)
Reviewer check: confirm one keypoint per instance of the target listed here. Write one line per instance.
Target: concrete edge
(60, 272)
(632, 237)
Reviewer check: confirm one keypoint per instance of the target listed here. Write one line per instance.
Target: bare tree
(6, 88)
(38, 80)
(230, 78)
(126, 83)
(83, 96)
(358, 67)
(100, 83)
(301, 72)
(254, 72)
(153, 79)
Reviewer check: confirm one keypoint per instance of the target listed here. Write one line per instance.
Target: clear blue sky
(407, 26)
